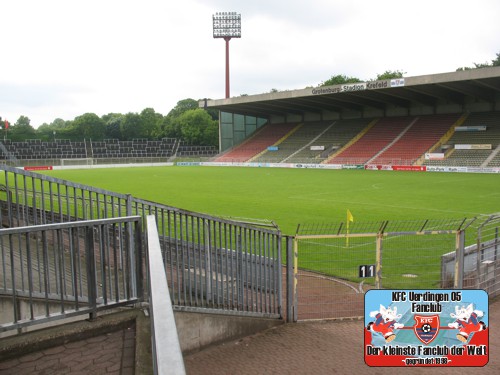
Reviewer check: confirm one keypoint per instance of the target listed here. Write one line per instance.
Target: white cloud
(64, 58)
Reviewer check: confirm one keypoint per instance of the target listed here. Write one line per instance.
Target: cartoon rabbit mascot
(385, 322)
(467, 321)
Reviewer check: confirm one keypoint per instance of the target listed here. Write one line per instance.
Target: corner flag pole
(350, 219)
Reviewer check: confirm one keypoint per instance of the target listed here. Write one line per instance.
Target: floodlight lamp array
(227, 25)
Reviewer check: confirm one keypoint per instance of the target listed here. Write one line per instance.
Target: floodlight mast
(227, 25)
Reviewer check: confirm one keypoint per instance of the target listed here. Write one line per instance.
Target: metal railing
(214, 263)
(211, 263)
(481, 260)
(60, 270)
(335, 264)
(167, 355)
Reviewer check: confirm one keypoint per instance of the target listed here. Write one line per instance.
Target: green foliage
(339, 79)
(494, 62)
(390, 74)
(21, 130)
(58, 128)
(113, 125)
(170, 126)
(131, 126)
(192, 124)
(198, 128)
(181, 107)
(89, 126)
(150, 121)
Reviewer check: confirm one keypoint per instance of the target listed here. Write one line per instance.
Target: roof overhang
(475, 85)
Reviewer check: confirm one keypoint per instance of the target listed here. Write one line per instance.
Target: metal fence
(55, 271)
(481, 259)
(488, 256)
(211, 263)
(165, 345)
(218, 263)
(224, 265)
(336, 264)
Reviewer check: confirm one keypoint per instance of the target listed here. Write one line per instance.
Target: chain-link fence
(336, 264)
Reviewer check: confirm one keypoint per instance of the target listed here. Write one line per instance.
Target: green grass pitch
(297, 196)
(314, 196)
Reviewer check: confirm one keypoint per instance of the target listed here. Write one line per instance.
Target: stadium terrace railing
(57, 271)
(481, 260)
(336, 263)
(166, 348)
(212, 263)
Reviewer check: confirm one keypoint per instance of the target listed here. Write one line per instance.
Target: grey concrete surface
(319, 347)
(316, 347)
(116, 343)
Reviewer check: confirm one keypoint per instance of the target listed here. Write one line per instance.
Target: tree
(58, 128)
(89, 125)
(198, 128)
(131, 126)
(182, 106)
(21, 130)
(113, 122)
(170, 126)
(214, 113)
(151, 122)
(390, 74)
(339, 79)
(496, 62)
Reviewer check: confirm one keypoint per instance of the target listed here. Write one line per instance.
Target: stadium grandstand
(433, 121)
(66, 152)
(449, 119)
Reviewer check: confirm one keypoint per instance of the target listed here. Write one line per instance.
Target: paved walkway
(320, 347)
(112, 353)
(326, 347)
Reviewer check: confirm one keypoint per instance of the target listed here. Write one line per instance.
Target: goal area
(77, 161)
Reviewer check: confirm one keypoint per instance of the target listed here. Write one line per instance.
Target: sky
(64, 58)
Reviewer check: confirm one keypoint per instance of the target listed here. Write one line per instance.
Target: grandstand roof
(459, 88)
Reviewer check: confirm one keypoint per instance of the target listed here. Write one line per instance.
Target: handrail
(167, 355)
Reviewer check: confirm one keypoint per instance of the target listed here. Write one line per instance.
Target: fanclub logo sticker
(426, 327)
(445, 328)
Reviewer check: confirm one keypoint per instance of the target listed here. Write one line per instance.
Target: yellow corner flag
(350, 219)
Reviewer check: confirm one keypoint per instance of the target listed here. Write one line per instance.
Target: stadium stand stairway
(294, 142)
(375, 139)
(494, 159)
(475, 156)
(6, 154)
(266, 136)
(335, 136)
(420, 136)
